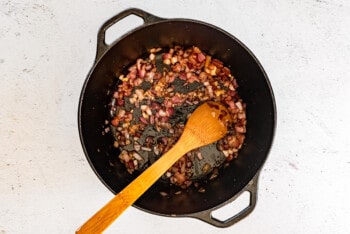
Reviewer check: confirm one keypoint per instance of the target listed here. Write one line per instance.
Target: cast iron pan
(255, 90)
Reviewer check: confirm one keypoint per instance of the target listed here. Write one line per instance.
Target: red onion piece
(200, 57)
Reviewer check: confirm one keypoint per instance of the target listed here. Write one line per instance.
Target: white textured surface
(48, 47)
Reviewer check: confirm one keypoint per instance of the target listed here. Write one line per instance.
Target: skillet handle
(252, 188)
(102, 46)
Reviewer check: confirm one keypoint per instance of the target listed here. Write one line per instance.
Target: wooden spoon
(207, 124)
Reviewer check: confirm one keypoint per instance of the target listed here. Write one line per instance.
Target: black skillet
(254, 88)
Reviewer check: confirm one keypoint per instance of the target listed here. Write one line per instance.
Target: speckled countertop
(47, 49)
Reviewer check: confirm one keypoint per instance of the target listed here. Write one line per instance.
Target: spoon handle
(115, 207)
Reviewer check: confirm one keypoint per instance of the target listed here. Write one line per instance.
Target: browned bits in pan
(154, 98)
